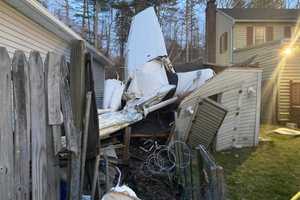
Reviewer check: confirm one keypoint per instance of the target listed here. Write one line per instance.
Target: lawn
(270, 171)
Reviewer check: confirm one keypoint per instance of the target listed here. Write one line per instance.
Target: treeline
(106, 23)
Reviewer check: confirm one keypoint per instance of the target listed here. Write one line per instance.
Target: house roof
(37, 13)
(262, 14)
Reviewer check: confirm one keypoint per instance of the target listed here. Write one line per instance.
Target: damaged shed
(238, 90)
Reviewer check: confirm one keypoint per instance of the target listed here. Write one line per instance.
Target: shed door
(99, 77)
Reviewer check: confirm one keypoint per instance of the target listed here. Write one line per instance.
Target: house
(26, 25)
(269, 34)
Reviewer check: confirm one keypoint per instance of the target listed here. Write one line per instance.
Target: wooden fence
(35, 112)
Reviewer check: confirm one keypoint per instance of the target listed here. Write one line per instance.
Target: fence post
(6, 131)
(22, 137)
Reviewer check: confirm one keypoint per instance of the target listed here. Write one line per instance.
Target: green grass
(271, 171)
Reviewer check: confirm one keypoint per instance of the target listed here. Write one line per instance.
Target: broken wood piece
(22, 133)
(127, 137)
(85, 137)
(53, 76)
(95, 178)
(52, 86)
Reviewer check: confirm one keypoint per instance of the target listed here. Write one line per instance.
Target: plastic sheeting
(190, 81)
(148, 80)
(113, 91)
(145, 40)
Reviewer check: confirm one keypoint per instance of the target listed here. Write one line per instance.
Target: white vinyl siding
(240, 32)
(223, 25)
(19, 32)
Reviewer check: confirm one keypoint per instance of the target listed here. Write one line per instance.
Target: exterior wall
(19, 32)
(240, 32)
(276, 77)
(289, 71)
(267, 56)
(223, 24)
(241, 125)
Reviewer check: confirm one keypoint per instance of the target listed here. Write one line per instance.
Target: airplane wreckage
(206, 107)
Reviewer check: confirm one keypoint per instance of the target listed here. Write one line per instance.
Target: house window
(287, 32)
(259, 35)
(223, 42)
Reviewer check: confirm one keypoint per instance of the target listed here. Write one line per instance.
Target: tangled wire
(164, 159)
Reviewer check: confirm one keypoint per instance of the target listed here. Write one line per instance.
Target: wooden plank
(73, 135)
(53, 75)
(96, 178)
(85, 136)
(66, 104)
(38, 127)
(22, 137)
(54, 114)
(6, 131)
(53, 134)
(127, 137)
(77, 81)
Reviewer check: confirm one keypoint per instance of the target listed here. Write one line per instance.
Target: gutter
(37, 13)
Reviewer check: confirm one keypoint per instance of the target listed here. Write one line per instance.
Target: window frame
(223, 42)
(254, 34)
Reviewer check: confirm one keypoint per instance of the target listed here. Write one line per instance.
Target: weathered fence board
(65, 95)
(38, 127)
(55, 118)
(6, 131)
(73, 135)
(53, 82)
(53, 136)
(21, 137)
(85, 137)
(77, 81)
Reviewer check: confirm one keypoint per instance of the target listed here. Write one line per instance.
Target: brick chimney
(210, 31)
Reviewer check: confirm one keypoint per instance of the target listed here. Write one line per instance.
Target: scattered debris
(286, 131)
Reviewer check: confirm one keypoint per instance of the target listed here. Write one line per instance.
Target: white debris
(148, 80)
(113, 91)
(190, 81)
(145, 40)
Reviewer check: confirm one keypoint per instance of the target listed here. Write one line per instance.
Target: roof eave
(265, 20)
(226, 15)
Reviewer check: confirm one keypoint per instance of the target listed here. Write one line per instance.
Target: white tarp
(148, 80)
(145, 40)
(190, 81)
(113, 91)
